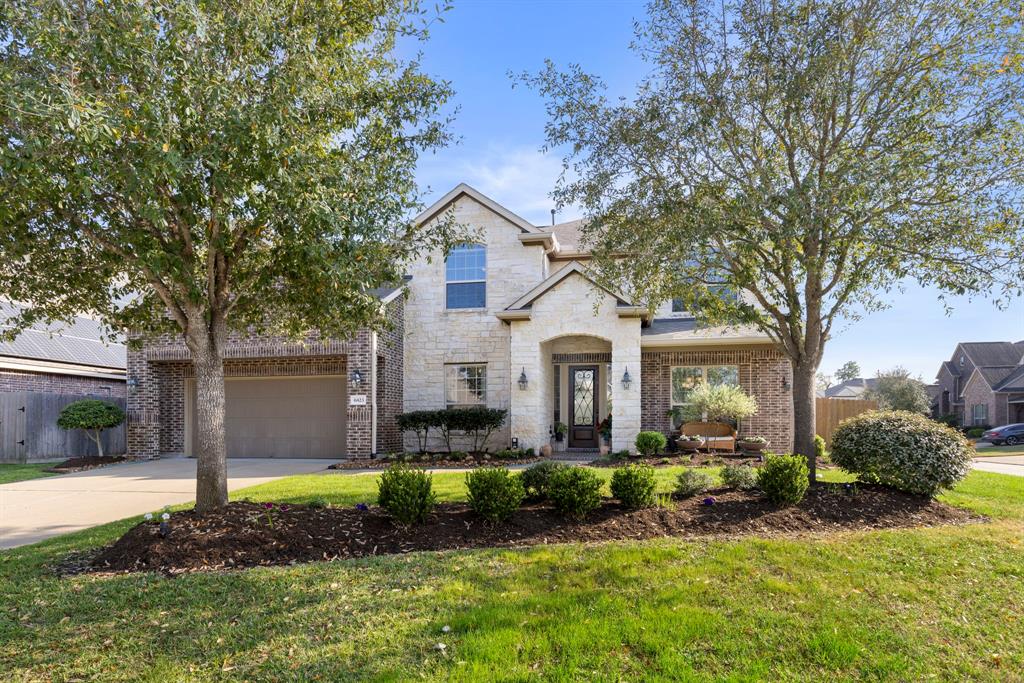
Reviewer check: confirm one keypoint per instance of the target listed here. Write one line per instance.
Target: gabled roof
(993, 353)
(852, 388)
(462, 189)
(519, 309)
(1013, 381)
(77, 343)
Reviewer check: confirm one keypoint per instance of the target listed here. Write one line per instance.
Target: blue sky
(501, 129)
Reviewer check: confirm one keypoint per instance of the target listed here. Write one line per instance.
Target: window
(465, 386)
(685, 379)
(466, 276)
(979, 413)
(557, 417)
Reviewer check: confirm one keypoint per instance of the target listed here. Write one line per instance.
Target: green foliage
(820, 447)
(741, 477)
(418, 422)
(319, 503)
(718, 403)
(494, 493)
(561, 428)
(975, 432)
(575, 491)
(848, 370)
(692, 482)
(406, 493)
(649, 444)
(479, 422)
(91, 414)
(535, 478)
(634, 486)
(897, 390)
(903, 450)
(783, 478)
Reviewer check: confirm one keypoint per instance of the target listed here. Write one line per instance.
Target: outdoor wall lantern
(356, 377)
(523, 382)
(132, 382)
(785, 384)
(626, 379)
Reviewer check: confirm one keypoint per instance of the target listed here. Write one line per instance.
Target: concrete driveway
(37, 509)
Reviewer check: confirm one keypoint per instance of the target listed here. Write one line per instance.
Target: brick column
(359, 442)
(143, 403)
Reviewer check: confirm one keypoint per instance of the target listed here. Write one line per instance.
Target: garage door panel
(279, 417)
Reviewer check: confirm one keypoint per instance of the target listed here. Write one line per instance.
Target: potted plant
(605, 430)
(752, 444)
(561, 429)
(717, 405)
(689, 444)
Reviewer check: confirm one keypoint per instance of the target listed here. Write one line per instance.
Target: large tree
(805, 156)
(848, 370)
(897, 389)
(201, 166)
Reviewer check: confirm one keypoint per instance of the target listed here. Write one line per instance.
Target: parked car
(1007, 434)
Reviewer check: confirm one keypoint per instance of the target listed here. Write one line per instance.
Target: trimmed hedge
(536, 478)
(575, 491)
(741, 477)
(783, 478)
(406, 493)
(494, 493)
(904, 450)
(478, 422)
(634, 485)
(693, 482)
(649, 444)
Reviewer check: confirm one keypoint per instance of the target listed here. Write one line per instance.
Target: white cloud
(520, 179)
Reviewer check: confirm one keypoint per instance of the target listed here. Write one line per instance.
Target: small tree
(418, 422)
(897, 390)
(718, 403)
(848, 370)
(93, 416)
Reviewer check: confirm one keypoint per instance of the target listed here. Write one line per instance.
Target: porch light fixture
(626, 379)
(523, 382)
(785, 384)
(132, 382)
(356, 377)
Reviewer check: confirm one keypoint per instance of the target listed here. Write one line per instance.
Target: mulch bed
(702, 459)
(88, 462)
(434, 462)
(240, 535)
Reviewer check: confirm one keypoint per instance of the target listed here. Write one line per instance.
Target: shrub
(783, 478)
(693, 482)
(975, 432)
(535, 478)
(479, 423)
(650, 443)
(406, 493)
(634, 485)
(319, 503)
(419, 422)
(575, 491)
(742, 477)
(494, 493)
(93, 416)
(719, 402)
(819, 447)
(906, 451)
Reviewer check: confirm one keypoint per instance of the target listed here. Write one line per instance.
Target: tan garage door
(282, 417)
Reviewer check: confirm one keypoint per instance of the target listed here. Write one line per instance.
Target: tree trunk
(211, 465)
(99, 443)
(803, 413)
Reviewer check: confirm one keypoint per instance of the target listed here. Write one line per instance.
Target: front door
(583, 406)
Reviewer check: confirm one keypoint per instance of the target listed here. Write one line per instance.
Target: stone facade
(763, 373)
(52, 383)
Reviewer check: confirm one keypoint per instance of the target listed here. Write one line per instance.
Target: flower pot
(545, 451)
(559, 437)
(751, 446)
(689, 444)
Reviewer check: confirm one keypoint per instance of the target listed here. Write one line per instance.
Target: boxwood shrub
(634, 485)
(494, 493)
(406, 493)
(783, 478)
(693, 482)
(742, 477)
(536, 477)
(575, 491)
(904, 450)
(649, 444)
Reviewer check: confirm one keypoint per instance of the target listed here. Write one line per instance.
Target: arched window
(466, 276)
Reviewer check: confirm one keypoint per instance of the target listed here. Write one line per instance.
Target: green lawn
(16, 472)
(990, 451)
(893, 605)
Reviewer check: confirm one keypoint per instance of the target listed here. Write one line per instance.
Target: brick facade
(763, 370)
(50, 383)
(161, 368)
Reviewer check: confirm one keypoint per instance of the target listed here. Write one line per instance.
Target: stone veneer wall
(762, 372)
(47, 383)
(156, 406)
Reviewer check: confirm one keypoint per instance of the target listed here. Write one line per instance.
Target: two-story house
(982, 384)
(509, 320)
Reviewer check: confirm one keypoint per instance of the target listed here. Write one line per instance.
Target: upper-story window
(466, 276)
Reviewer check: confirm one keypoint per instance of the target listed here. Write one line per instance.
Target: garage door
(283, 417)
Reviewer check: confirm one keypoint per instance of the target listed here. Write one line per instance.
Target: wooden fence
(29, 431)
(829, 412)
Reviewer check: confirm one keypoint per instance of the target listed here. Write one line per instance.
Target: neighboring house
(66, 359)
(855, 388)
(982, 384)
(509, 321)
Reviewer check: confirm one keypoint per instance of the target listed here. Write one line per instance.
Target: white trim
(683, 342)
(464, 189)
(25, 365)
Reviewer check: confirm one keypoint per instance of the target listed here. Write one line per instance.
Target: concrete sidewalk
(38, 509)
(1005, 464)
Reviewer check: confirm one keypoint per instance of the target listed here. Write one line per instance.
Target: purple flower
(283, 508)
(362, 506)
(710, 500)
(269, 506)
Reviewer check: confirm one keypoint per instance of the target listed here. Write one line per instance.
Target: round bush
(742, 477)
(494, 493)
(535, 478)
(820, 450)
(575, 491)
(693, 482)
(650, 443)
(633, 485)
(904, 450)
(406, 493)
(975, 432)
(783, 478)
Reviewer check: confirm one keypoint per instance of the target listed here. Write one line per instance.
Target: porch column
(526, 407)
(626, 402)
